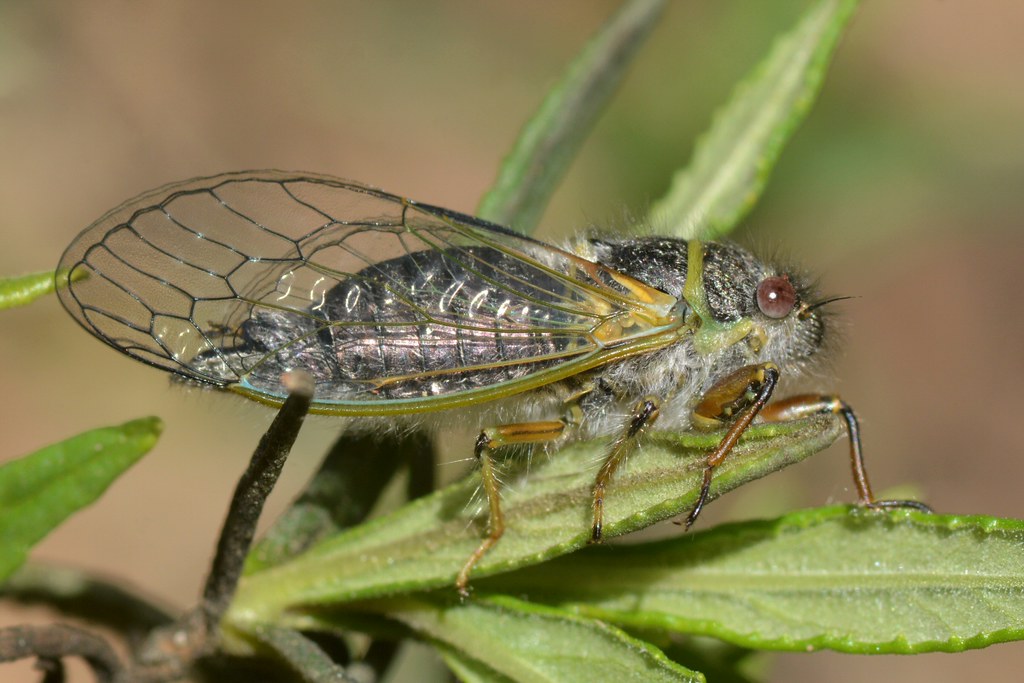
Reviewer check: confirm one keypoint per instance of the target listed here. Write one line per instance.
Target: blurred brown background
(905, 187)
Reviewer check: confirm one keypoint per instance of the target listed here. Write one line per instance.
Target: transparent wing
(392, 306)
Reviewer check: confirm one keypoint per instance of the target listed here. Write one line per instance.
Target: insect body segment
(398, 310)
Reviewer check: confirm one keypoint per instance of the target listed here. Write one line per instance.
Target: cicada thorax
(711, 281)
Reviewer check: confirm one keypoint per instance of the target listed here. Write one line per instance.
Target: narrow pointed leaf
(23, 290)
(41, 490)
(550, 140)
(857, 581)
(536, 643)
(733, 159)
(424, 544)
(467, 669)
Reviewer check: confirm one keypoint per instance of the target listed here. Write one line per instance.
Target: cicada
(402, 312)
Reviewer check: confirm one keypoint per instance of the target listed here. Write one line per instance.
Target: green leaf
(520, 641)
(23, 290)
(424, 544)
(858, 581)
(467, 669)
(719, 661)
(551, 139)
(734, 158)
(41, 490)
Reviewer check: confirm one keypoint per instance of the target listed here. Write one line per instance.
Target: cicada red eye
(776, 296)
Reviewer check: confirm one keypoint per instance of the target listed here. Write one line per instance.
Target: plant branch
(250, 496)
(51, 643)
(169, 651)
(94, 599)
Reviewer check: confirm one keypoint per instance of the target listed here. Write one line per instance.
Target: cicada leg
(737, 399)
(489, 439)
(645, 413)
(743, 395)
(806, 405)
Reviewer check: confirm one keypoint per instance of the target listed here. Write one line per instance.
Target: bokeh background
(905, 187)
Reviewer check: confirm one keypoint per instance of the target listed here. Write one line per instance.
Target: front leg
(742, 396)
(806, 405)
(737, 399)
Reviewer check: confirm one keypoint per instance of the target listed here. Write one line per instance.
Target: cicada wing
(236, 279)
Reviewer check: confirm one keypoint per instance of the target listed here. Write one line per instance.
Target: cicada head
(775, 308)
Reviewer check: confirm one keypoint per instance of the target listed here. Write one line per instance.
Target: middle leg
(645, 413)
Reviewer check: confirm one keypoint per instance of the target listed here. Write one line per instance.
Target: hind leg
(490, 439)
